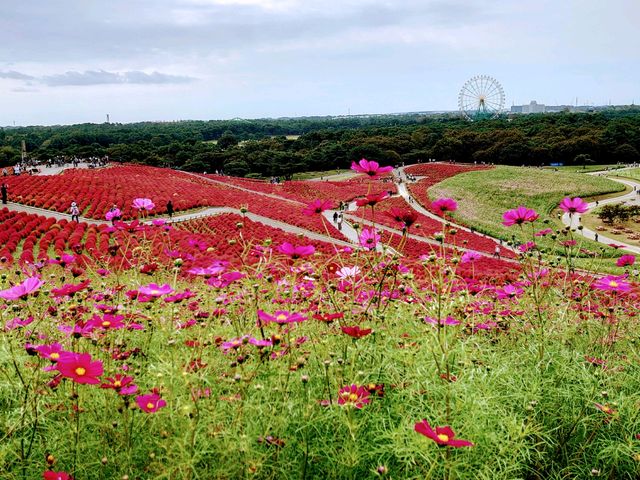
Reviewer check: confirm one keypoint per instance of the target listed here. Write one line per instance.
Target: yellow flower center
(353, 397)
(443, 438)
(117, 383)
(80, 371)
(281, 318)
(106, 323)
(606, 409)
(150, 406)
(55, 355)
(613, 283)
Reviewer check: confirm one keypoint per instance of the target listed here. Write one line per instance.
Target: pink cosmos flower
(372, 199)
(17, 322)
(150, 403)
(612, 283)
(111, 214)
(543, 233)
(154, 290)
(573, 205)
(369, 238)
(443, 205)
(280, 317)
(79, 367)
(70, 289)
(143, 204)
(468, 257)
(519, 216)
(296, 251)
(30, 285)
(525, 247)
(51, 352)
(443, 436)
(353, 395)
(371, 168)
(346, 273)
(508, 292)
(626, 260)
(317, 206)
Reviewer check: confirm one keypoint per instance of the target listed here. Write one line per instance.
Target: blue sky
(74, 61)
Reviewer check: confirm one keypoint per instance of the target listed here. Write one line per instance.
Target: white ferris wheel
(481, 97)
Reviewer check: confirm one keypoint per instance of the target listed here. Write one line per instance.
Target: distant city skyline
(74, 61)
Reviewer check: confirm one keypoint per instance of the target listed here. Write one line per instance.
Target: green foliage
(304, 144)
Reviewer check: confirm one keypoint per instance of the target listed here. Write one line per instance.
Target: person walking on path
(75, 212)
(496, 252)
(170, 209)
(335, 217)
(340, 219)
(595, 237)
(4, 193)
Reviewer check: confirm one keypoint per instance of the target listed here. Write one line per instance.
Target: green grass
(633, 174)
(484, 196)
(312, 175)
(581, 169)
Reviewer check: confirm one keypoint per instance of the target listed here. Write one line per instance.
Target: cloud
(102, 77)
(98, 77)
(13, 75)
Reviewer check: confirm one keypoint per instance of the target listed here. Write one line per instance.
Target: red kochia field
(223, 347)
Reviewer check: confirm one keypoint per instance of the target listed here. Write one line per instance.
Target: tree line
(281, 147)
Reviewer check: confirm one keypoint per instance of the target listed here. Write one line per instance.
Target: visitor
(4, 193)
(75, 212)
(335, 217)
(496, 252)
(595, 237)
(340, 219)
(170, 209)
(5, 172)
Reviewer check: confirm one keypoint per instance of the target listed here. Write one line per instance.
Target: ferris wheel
(481, 97)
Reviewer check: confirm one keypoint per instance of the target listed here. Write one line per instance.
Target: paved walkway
(631, 198)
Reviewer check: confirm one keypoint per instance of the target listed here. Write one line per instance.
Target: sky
(75, 61)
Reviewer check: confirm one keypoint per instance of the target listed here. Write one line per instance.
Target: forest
(281, 147)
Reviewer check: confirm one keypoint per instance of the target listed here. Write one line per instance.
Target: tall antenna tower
(107, 118)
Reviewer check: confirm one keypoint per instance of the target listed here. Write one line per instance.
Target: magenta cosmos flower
(354, 396)
(443, 205)
(443, 436)
(372, 199)
(612, 283)
(317, 206)
(150, 403)
(369, 238)
(519, 216)
(111, 214)
(444, 321)
(405, 217)
(296, 251)
(626, 260)
(573, 205)
(469, 256)
(79, 367)
(371, 168)
(154, 290)
(143, 204)
(30, 285)
(280, 317)
(51, 475)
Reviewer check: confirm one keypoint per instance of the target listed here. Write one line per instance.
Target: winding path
(573, 221)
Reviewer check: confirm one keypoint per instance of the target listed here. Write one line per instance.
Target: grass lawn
(587, 169)
(633, 174)
(485, 195)
(326, 173)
